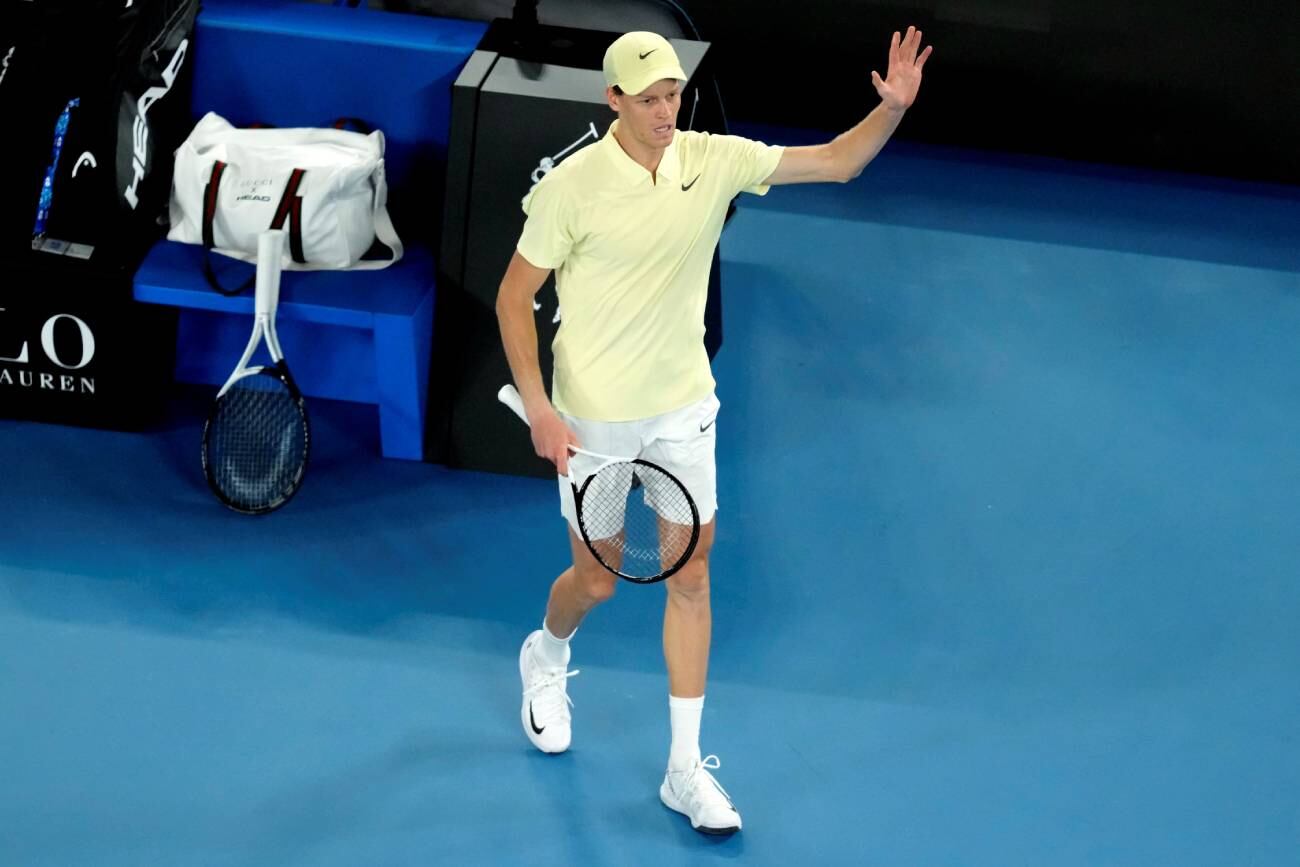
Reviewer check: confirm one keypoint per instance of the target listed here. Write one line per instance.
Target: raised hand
(903, 78)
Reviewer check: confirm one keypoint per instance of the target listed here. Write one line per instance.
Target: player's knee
(595, 583)
(692, 581)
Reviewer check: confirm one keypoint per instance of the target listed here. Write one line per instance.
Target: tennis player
(629, 225)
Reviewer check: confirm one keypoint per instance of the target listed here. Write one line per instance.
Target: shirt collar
(632, 172)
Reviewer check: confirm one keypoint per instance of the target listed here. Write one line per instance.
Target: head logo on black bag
(140, 126)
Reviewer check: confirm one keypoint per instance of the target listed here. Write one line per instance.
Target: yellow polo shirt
(631, 258)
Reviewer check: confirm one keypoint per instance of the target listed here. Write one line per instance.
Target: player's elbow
(507, 300)
(837, 169)
(845, 171)
(504, 299)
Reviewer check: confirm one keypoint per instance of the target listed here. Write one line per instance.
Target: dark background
(1202, 86)
(1207, 87)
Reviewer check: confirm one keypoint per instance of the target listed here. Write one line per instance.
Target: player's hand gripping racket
(638, 520)
(256, 438)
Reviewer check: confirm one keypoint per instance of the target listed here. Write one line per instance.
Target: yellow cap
(636, 60)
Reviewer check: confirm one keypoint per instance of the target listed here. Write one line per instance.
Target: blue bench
(360, 336)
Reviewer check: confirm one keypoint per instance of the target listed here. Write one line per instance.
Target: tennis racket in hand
(638, 519)
(257, 436)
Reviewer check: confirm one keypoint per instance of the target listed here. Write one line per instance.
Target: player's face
(651, 115)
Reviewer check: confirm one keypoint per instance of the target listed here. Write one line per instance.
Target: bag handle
(385, 233)
(384, 230)
(209, 215)
(210, 274)
(288, 210)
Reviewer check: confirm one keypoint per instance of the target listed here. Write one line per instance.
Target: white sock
(684, 715)
(552, 652)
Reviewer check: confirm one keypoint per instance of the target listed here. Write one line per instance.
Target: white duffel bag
(324, 187)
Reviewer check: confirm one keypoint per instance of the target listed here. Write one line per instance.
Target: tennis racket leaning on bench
(637, 519)
(257, 436)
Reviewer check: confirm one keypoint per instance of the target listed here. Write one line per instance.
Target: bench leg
(402, 353)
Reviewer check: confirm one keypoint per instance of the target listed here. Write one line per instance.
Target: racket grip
(270, 250)
(510, 397)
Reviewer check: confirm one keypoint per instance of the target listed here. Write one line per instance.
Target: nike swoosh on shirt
(705, 427)
(686, 187)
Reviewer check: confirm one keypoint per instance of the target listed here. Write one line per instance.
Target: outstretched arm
(844, 158)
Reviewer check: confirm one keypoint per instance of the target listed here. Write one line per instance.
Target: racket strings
(639, 519)
(256, 445)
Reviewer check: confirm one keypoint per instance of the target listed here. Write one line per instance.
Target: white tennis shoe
(545, 711)
(696, 794)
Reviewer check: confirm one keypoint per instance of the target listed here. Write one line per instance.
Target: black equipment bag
(96, 96)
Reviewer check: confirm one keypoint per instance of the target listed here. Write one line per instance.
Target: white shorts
(681, 441)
